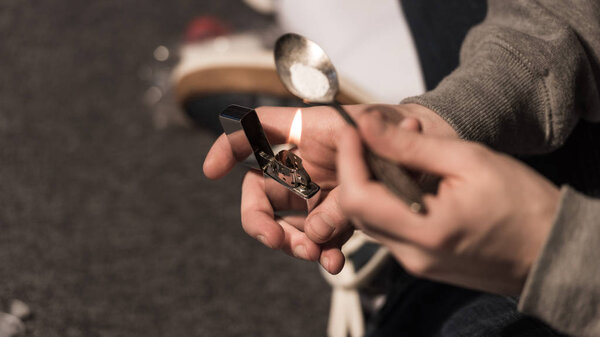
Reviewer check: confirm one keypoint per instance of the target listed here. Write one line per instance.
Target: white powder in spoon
(308, 81)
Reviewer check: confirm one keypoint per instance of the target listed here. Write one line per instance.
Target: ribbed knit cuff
(497, 99)
(563, 286)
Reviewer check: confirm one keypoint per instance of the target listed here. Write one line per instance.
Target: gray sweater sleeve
(527, 73)
(563, 287)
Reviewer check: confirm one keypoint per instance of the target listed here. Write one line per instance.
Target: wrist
(540, 220)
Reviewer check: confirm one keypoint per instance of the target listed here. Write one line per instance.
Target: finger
(415, 260)
(332, 259)
(370, 202)
(277, 122)
(349, 161)
(317, 122)
(296, 243)
(259, 222)
(257, 214)
(327, 220)
(220, 159)
(439, 155)
(382, 212)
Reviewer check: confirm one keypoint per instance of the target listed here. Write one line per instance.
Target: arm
(563, 287)
(526, 74)
(494, 224)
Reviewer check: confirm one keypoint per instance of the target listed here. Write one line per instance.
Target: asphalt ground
(107, 225)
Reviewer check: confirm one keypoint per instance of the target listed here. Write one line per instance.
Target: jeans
(425, 308)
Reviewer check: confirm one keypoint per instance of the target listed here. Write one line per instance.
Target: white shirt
(369, 43)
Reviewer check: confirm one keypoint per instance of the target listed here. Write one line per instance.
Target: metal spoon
(308, 73)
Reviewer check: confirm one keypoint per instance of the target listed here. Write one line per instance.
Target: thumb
(437, 155)
(327, 220)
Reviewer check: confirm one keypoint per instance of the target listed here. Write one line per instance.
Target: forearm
(526, 75)
(563, 287)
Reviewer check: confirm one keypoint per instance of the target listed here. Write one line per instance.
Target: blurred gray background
(107, 225)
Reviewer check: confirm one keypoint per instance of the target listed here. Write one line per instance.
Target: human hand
(485, 226)
(320, 235)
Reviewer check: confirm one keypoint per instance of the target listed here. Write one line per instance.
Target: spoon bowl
(305, 69)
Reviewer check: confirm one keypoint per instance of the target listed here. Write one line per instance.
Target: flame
(296, 129)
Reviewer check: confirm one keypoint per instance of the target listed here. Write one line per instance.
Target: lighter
(249, 144)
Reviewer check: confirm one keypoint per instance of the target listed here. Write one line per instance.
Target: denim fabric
(438, 28)
(203, 109)
(425, 308)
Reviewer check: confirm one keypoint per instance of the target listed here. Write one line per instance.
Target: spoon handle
(345, 115)
(397, 180)
(394, 177)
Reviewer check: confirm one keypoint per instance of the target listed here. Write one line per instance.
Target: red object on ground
(205, 27)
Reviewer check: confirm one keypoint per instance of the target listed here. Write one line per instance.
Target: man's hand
(484, 227)
(320, 235)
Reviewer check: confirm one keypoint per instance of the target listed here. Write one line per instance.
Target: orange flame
(296, 129)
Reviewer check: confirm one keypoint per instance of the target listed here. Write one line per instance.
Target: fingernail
(322, 226)
(263, 240)
(325, 263)
(300, 252)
